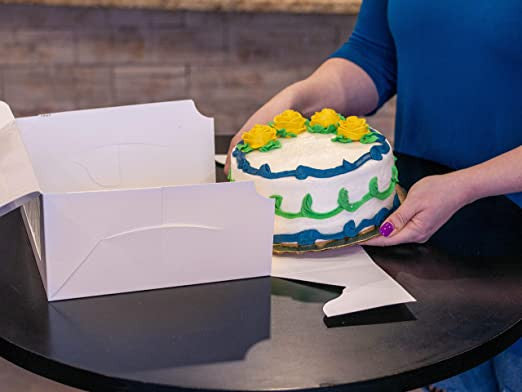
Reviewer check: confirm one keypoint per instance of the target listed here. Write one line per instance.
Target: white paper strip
(366, 285)
(221, 159)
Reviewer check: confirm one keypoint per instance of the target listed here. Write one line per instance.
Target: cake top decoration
(354, 129)
(326, 121)
(291, 124)
(260, 137)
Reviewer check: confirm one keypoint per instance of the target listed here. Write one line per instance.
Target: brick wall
(59, 58)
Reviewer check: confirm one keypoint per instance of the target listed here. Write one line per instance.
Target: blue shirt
(456, 67)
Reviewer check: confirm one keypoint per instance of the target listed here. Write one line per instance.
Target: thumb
(397, 220)
(227, 164)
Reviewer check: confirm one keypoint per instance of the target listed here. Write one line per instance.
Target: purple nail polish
(386, 229)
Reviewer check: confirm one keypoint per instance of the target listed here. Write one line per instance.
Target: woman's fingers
(409, 233)
(229, 157)
(398, 219)
(401, 226)
(427, 207)
(227, 164)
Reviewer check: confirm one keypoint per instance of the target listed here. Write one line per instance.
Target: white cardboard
(128, 200)
(17, 180)
(366, 285)
(126, 147)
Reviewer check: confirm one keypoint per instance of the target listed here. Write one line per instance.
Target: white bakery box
(124, 199)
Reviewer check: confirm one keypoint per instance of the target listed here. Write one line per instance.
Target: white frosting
(318, 151)
(309, 149)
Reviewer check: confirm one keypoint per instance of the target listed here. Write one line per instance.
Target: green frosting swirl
(229, 175)
(343, 201)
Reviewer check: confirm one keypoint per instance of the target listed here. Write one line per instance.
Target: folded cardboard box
(124, 199)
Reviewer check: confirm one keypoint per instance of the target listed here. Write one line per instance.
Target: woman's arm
(360, 76)
(434, 199)
(338, 84)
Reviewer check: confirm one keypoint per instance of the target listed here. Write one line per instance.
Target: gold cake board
(320, 246)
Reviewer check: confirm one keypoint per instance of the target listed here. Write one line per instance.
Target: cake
(332, 178)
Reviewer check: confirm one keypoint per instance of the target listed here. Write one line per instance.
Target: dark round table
(270, 334)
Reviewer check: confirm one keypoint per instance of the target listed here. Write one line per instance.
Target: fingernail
(386, 229)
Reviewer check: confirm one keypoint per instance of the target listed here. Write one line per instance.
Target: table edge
(409, 379)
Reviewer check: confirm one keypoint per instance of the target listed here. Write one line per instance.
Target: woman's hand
(428, 205)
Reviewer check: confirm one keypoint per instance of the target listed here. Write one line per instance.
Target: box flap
(18, 182)
(127, 147)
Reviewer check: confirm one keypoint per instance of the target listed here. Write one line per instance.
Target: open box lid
(18, 182)
(129, 147)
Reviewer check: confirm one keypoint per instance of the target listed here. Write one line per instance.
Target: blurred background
(63, 58)
(229, 56)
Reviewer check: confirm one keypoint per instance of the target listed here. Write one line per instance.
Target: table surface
(270, 334)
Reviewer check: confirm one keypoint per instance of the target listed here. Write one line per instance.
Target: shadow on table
(385, 314)
(168, 328)
(306, 292)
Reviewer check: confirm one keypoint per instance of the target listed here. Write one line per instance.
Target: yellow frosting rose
(291, 121)
(259, 135)
(353, 128)
(325, 118)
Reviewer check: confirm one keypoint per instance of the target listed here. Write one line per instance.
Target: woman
(456, 68)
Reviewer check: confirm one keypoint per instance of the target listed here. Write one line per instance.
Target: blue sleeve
(371, 47)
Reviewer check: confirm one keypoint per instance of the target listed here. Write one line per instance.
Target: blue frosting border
(308, 237)
(302, 172)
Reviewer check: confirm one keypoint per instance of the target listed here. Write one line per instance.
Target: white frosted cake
(332, 177)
